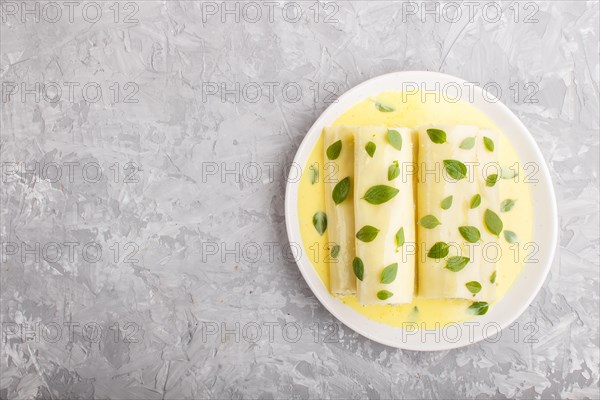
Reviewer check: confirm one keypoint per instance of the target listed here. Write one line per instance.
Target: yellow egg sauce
(411, 110)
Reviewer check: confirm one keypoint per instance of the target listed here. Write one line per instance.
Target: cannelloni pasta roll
(384, 215)
(457, 203)
(339, 204)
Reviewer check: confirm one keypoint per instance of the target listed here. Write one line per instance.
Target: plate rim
(360, 323)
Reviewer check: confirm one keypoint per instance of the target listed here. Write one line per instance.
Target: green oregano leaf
(320, 222)
(493, 222)
(335, 250)
(314, 174)
(341, 190)
(370, 148)
(384, 294)
(429, 222)
(394, 138)
(446, 203)
(475, 201)
(437, 136)
(455, 169)
(508, 173)
(384, 107)
(491, 180)
(388, 275)
(399, 238)
(488, 143)
(470, 233)
(438, 250)
(367, 233)
(457, 263)
(473, 287)
(359, 268)
(393, 171)
(413, 316)
(379, 194)
(507, 205)
(333, 151)
(511, 237)
(493, 277)
(478, 308)
(468, 143)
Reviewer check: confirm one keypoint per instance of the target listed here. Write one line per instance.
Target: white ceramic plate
(545, 231)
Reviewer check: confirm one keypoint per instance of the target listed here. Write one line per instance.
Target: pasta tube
(384, 215)
(455, 196)
(339, 204)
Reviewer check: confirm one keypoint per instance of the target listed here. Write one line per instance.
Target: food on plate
(489, 212)
(378, 249)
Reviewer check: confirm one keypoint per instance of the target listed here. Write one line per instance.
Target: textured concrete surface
(143, 243)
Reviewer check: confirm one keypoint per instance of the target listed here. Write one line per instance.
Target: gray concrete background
(145, 256)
